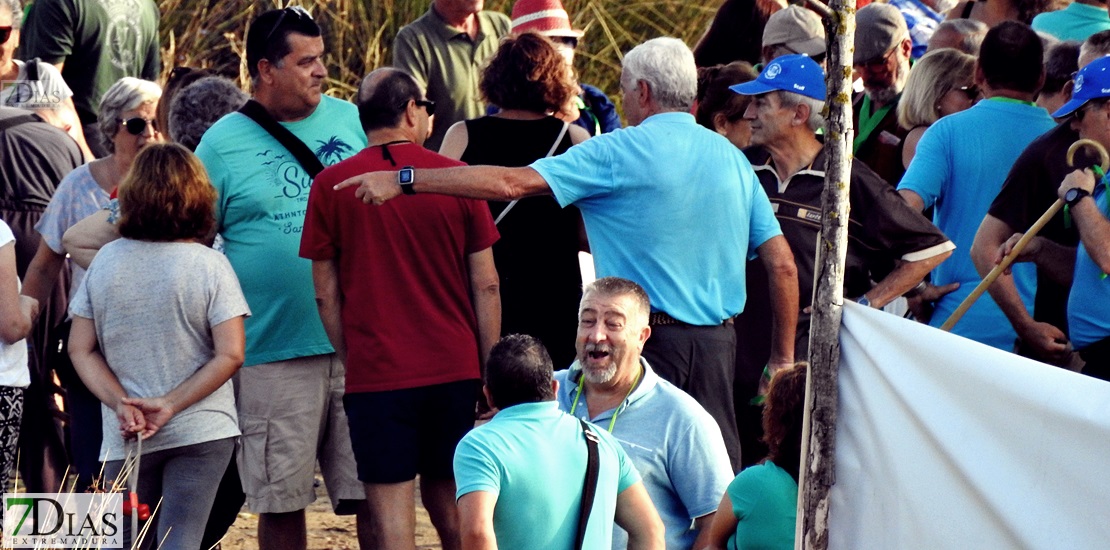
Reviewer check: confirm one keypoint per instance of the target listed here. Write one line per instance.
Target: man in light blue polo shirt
(674, 443)
(520, 476)
(667, 204)
(960, 165)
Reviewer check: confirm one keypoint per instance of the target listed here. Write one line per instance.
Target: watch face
(1074, 194)
(404, 176)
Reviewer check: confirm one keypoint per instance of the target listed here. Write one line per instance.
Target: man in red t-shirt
(408, 294)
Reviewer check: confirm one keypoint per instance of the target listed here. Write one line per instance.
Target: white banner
(945, 443)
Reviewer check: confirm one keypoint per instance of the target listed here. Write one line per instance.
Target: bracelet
(916, 290)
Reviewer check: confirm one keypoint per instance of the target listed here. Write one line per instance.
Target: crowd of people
(259, 287)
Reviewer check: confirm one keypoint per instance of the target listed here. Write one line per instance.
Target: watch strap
(406, 177)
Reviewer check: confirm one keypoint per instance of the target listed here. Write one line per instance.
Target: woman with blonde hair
(940, 84)
(157, 334)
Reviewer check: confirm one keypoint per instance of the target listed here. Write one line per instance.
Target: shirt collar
(448, 31)
(669, 116)
(541, 408)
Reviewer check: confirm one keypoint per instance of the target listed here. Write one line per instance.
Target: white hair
(791, 99)
(126, 94)
(667, 66)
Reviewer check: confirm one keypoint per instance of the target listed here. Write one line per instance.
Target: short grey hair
(790, 99)
(199, 105)
(17, 12)
(971, 32)
(126, 94)
(667, 66)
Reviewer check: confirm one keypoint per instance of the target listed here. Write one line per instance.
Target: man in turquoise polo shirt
(444, 50)
(667, 204)
(520, 476)
(1079, 20)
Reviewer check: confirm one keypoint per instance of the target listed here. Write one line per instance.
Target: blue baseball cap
(795, 73)
(1092, 82)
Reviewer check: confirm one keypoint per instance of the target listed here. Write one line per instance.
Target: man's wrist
(406, 178)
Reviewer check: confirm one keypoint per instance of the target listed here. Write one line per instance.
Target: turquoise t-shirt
(263, 195)
(960, 165)
(671, 206)
(1075, 22)
(765, 501)
(532, 456)
(1090, 292)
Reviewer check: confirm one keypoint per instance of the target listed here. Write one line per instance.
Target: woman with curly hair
(157, 334)
(537, 256)
(759, 508)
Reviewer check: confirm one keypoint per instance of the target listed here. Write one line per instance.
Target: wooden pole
(819, 435)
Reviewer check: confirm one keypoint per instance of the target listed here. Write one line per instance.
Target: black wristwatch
(405, 178)
(1074, 195)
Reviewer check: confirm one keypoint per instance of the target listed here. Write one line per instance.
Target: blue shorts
(398, 434)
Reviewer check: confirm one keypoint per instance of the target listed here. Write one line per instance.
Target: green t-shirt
(765, 501)
(100, 42)
(447, 63)
(263, 196)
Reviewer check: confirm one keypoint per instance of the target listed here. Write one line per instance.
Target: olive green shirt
(446, 62)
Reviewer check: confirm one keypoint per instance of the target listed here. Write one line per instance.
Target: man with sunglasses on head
(94, 43)
(408, 294)
(882, 61)
(291, 385)
(444, 50)
(1030, 188)
(960, 166)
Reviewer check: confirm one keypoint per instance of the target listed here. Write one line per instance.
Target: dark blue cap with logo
(1092, 82)
(790, 73)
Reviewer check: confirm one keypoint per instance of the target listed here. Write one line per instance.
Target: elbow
(784, 268)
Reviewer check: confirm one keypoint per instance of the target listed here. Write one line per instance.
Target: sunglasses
(972, 91)
(5, 33)
(427, 104)
(136, 126)
(568, 41)
(297, 12)
(880, 63)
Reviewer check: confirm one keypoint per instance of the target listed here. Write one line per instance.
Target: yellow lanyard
(620, 407)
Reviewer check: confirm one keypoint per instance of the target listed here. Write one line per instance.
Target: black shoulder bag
(589, 485)
(256, 112)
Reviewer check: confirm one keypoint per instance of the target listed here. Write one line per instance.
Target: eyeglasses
(5, 33)
(1093, 104)
(296, 11)
(136, 126)
(427, 104)
(879, 64)
(972, 91)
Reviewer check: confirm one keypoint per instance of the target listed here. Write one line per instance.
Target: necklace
(620, 407)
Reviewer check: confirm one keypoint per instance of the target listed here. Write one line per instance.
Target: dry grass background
(359, 33)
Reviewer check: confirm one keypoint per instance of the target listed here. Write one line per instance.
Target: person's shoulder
(418, 26)
(682, 408)
(499, 19)
(425, 158)
(330, 103)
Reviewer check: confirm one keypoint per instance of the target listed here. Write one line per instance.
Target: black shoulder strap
(589, 486)
(17, 120)
(33, 69)
(256, 112)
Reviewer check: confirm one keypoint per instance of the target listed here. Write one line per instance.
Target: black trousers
(700, 360)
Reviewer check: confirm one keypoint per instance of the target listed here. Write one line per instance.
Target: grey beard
(889, 94)
(599, 377)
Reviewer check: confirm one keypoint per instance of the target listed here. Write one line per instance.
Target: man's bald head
(383, 97)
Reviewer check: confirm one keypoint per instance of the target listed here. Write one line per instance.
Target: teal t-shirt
(532, 456)
(765, 501)
(263, 195)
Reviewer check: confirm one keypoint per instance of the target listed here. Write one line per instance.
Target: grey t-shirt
(154, 305)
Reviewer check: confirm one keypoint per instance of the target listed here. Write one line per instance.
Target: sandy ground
(326, 531)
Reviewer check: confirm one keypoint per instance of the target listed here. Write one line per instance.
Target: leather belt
(661, 318)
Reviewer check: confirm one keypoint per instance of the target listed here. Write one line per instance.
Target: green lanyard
(1011, 100)
(585, 110)
(612, 421)
(868, 121)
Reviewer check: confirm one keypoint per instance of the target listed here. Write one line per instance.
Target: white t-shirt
(48, 92)
(13, 358)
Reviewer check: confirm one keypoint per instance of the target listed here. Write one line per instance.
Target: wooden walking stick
(1104, 163)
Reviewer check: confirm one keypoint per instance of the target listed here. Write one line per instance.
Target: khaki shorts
(291, 415)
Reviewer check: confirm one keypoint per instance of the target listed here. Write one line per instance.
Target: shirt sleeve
(49, 31)
(318, 240)
(930, 168)
(482, 232)
(63, 212)
(52, 81)
(699, 467)
(583, 171)
(475, 468)
(744, 492)
(407, 55)
(887, 224)
(218, 174)
(763, 224)
(226, 300)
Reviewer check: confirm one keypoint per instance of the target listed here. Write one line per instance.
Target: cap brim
(571, 33)
(753, 87)
(812, 47)
(1069, 108)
